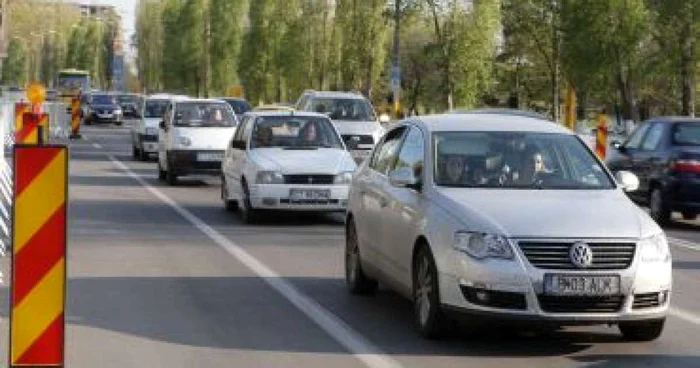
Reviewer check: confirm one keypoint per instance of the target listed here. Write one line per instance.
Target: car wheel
(658, 208)
(161, 173)
(427, 313)
(642, 331)
(248, 213)
(229, 205)
(135, 153)
(355, 279)
(119, 123)
(170, 176)
(689, 216)
(143, 155)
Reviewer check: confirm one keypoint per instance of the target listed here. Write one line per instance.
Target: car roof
(201, 100)
(489, 122)
(674, 119)
(337, 94)
(296, 113)
(502, 111)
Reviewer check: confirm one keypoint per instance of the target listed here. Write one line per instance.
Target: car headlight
(153, 131)
(654, 249)
(269, 177)
(184, 141)
(481, 246)
(343, 178)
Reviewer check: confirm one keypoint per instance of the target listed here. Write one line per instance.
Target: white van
(192, 138)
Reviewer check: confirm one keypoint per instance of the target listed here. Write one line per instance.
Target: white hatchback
(504, 216)
(282, 160)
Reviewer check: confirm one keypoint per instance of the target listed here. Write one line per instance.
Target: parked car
(239, 105)
(286, 161)
(353, 116)
(487, 216)
(193, 136)
(144, 131)
(131, 104)
(664, 153)
(103, 108)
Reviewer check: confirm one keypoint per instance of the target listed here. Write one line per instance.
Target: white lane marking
(685, 315)
(684, 244)
(352, 340)
(97, 145)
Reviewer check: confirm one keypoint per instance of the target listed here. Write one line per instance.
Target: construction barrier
(29, 133)
(20, 109)
(38, 283)
(601, 140)
(75, 118)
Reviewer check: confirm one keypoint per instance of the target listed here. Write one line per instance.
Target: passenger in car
(263, 136)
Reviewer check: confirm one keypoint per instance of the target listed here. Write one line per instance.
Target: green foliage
(14, 71)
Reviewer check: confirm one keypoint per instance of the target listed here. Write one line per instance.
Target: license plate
(309, 194)
(209, 157)
(105, 116)
(360, 153)
(581, 285)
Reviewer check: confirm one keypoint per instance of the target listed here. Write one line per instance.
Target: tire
(229, 205)
(428, 317)
(135, 153)
(161, 172)
(643, 330)
(249, 215)
(689, 216)
(143, 156)
(658, 207)
(119, 123)
(170, 178)
(355, 279)
(88, 121)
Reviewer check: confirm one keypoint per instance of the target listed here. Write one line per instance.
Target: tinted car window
(103, 100)
(385, 154)
(204, 114)
(155, 108)
(653, 138)
(636, 139)
(292, 132)
(349, 109)
(686, 134)
(412, 153)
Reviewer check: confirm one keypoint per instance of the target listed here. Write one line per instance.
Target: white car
(286, 160)
(511, 217)
(353, 116)
(193, 137)
(144, 131)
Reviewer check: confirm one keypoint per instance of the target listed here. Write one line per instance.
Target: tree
(14, 71)
(226, 17)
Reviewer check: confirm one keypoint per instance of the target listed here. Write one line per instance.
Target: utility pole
(396, 65)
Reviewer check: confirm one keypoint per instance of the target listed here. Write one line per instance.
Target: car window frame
(644, 128)
(647, 136)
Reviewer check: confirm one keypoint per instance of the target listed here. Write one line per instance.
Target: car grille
(580, 304)
(555, 255)
(649, 300)
(309, 179)
(363, 139)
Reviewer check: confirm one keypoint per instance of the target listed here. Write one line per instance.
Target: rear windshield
(155, 108)
(204, 114)
(240, 107)
(348, 109)
(686, 134)
(128, 99)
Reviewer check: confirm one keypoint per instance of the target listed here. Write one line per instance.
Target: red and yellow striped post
(39, 256)
(601, 137)
(20, 109)
(29, 133)
(75, 118)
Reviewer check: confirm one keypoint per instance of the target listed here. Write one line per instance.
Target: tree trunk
(629, 104)
(688, 71)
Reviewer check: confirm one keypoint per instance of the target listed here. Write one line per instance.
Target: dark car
(103, 108)
(665, 154)
(239, 105)
(130, 103)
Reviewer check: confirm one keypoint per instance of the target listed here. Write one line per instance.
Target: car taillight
(685, 165)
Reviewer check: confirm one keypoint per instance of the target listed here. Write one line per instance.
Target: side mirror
(239, 145)
(384, 119)
(403, 178)
(617, 145)
(627, 180)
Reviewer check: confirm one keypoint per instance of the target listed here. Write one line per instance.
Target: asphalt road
(164, 277)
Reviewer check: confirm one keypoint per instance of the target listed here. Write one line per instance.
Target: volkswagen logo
(581, 255)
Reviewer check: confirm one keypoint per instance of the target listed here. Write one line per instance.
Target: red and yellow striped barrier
(39, 256)
(29, 133)
(601, 136)
(20, 109)
(75, 117)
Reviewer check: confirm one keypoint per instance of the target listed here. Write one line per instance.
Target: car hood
(317, 161)
(206, 138)
(549, 213)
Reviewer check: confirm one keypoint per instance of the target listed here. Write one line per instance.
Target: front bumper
(109, 118)
(189, 162)
(149, 143)
(277, 197)
(515, 292)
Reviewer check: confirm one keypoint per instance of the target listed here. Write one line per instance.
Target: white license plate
(105, 116)
(309, 194)
(209, 157)
(581, 285)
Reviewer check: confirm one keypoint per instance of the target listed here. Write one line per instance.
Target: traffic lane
(310, 256)
(137, 298)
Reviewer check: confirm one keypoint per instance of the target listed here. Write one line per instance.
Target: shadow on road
(686, 265)
(642, 360)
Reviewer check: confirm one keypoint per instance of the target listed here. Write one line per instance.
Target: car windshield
(102, 100)
(240, 107)
(686, 134)
(349, 109)
(292, 132)
(128, 99)
(516, 160)
(204, 114)
(155, 108)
